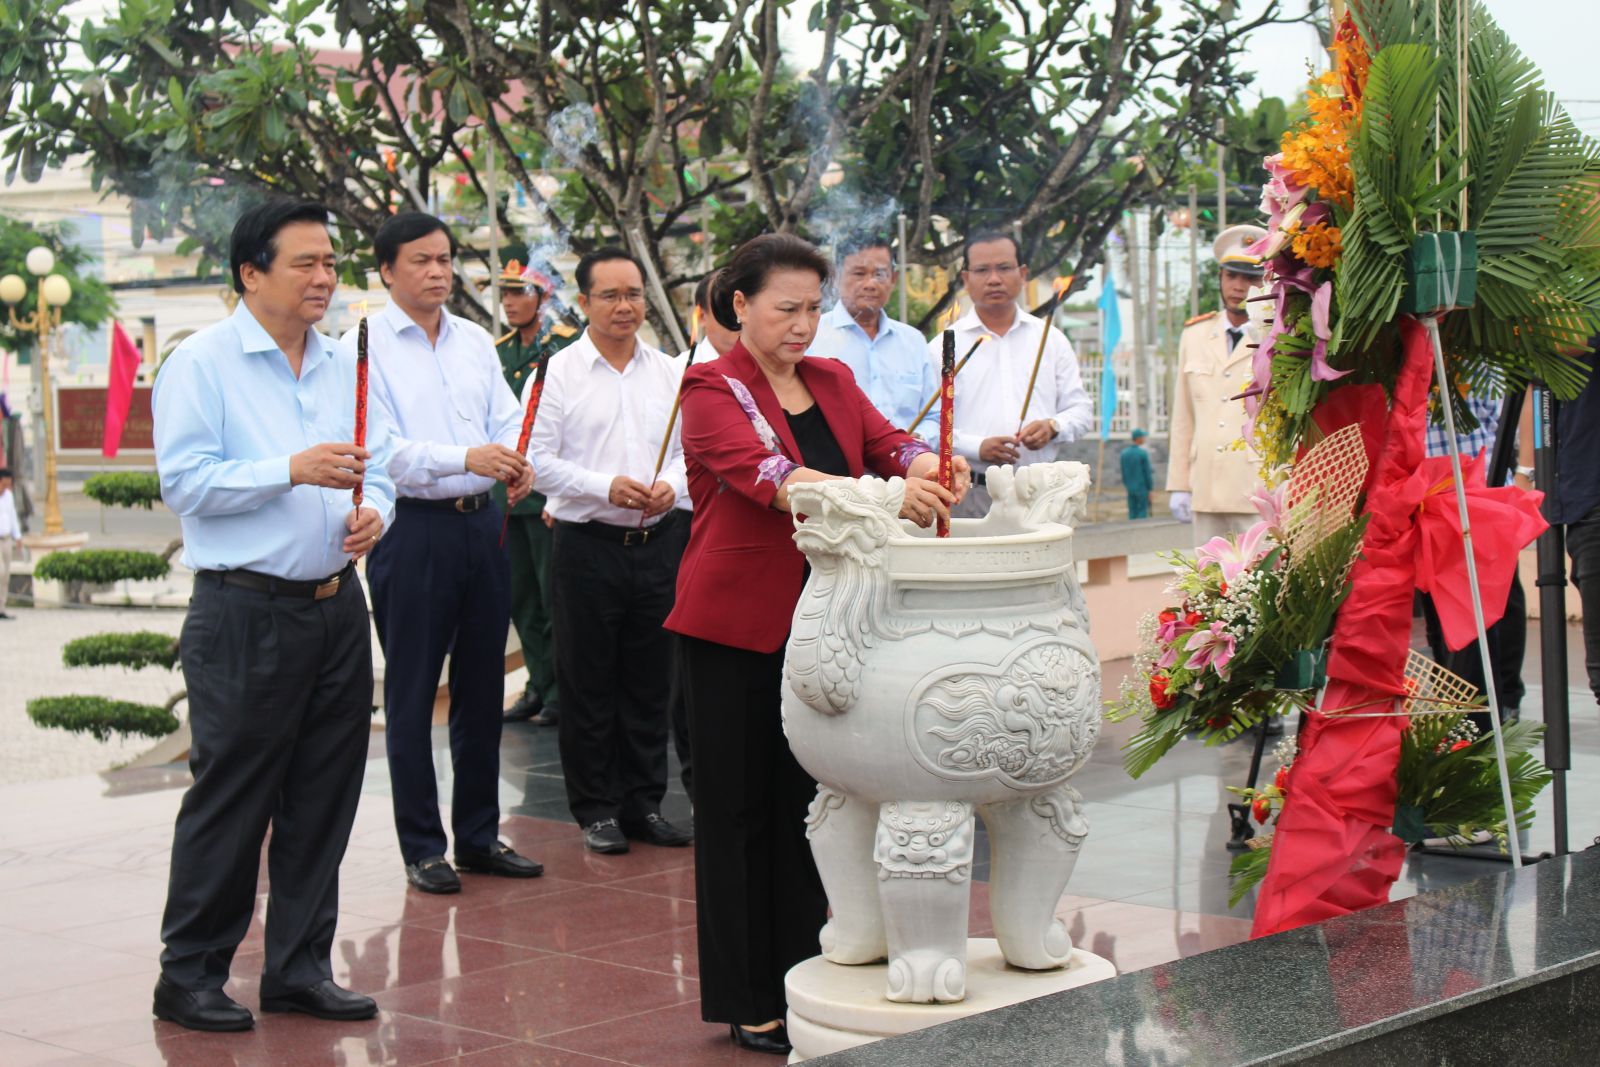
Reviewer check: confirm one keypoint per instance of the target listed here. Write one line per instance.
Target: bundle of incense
(947, 430)
(934, 399)
(528, 416)
(1060, 290)
(677, 401)
(357, 494)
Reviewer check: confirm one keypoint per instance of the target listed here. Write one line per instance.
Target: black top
(1577, 482)
(819, 450)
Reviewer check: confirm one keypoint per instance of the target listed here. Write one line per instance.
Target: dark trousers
(1583, 548)
(615, 662)
(1139, 505)
(758, 897)
(280, 708)
(1508, 640)
(528, 543)
(441, 584)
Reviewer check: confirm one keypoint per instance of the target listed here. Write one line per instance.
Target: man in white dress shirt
(618, 538)
(991, 428)
(10, 536)
(441, 582)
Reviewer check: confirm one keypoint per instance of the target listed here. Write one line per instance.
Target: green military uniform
(1137, 477)
(528, 540)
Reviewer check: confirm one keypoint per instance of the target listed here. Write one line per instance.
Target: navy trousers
(441, 583)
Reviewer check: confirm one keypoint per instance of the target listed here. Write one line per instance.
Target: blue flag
(1111, 333)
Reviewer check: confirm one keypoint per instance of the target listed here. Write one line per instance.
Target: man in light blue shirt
(254, 434)
(888, 358)
(442, 584)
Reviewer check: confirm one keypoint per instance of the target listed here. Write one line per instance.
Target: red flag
(119, 394)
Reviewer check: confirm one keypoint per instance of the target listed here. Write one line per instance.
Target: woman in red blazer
(756, 421)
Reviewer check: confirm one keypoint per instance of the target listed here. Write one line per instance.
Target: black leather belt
(627, 536)
(316, 589)
(981, 478)
(464, 504)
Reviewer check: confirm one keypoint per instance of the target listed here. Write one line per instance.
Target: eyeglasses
(861, 274)
(1004, 270)
(617, 296)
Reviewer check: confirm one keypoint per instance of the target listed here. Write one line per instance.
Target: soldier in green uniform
(522, 295)
(1137, 477)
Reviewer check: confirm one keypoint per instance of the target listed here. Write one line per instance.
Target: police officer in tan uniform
(1210, 472)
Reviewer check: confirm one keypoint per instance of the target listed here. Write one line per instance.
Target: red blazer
(741, 574)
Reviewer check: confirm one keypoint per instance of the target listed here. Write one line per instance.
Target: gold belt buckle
(461, 504)
(327, 588)
(635, 537)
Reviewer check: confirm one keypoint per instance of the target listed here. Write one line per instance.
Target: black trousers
(1583, 548)
(1508, 641)
(615, 664)
(280, 708)
(758, 897)
(441, 583)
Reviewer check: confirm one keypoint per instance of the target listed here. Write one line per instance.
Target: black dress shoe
(527, 706)
(433, 875)
(775, 1041)
(206, 1009)
(549, 716)
(655, 830)
(501, 860)
(325, 1000)
(605, 837)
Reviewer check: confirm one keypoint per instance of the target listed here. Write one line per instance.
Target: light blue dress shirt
(891, 368)
(229, 413)
(441, 398)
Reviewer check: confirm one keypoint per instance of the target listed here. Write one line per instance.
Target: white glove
(1182, 510)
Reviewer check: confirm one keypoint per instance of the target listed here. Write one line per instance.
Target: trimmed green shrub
(101, 717)
(100, 566)
(124, 489)
(141, 648)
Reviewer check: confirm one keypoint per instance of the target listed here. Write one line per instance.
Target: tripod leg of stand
(1239, 814)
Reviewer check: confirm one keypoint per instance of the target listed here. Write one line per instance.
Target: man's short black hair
(255, 235)
(404, 228)
(586, 265)
(861, 242)
(983, 237)
(5, 472)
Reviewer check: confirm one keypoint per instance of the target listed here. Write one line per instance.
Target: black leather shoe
(605, 837)
(549, 716)
(433, 875)
(655, 830)
(207, 1009)
(325, 1000)
(501, 860)
(527, 706)
(775, 1041)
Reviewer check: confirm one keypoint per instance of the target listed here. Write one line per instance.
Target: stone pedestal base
(833, 1007)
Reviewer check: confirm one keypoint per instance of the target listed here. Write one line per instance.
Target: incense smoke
(571, 130)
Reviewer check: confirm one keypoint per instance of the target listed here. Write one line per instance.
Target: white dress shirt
(596, 423)
(10, 526)
(989, 391)
(441, 398)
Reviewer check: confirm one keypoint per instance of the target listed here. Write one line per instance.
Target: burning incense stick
(534, 392)
(695, 337)
(357, 494)
(934, 399)
(1060, 290)
(947, 405)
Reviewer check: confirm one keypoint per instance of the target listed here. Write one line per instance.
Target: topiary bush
(141, 648)
(101, 717)
(101, 566)
(124, 489)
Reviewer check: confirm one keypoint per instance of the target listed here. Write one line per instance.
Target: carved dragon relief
(1028, 723)
(842, 526)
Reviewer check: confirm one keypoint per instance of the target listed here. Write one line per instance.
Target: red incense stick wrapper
(361, 400)
(947, 406)
(532, 412)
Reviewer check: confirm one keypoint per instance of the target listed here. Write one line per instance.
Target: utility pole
(1147, 369)
(1130, 232)
(1222, 177)
(1194, 250)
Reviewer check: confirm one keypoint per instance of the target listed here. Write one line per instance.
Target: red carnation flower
(1459, 745)
(1193, 619)
(1161, 693)
(1262, 809)
(1281, 779)
(1167, 616)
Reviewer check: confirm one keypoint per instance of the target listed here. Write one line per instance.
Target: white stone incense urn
(926, 678)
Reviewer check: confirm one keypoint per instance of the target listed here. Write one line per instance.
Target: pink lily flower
(1321, 308)
(1271, 504)
(1211, 647)
(1235, 557)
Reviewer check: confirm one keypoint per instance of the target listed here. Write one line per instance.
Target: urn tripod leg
(841, 831)
(1033, 844)
(924, 855)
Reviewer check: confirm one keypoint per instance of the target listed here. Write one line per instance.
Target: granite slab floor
(595, 962)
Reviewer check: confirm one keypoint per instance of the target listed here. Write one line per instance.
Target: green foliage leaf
(135, 650)
(101, 566)
(124, 489)
(100, 717)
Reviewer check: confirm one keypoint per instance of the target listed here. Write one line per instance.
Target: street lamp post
(54, 292)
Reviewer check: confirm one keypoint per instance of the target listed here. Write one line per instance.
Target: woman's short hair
(755, 262)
